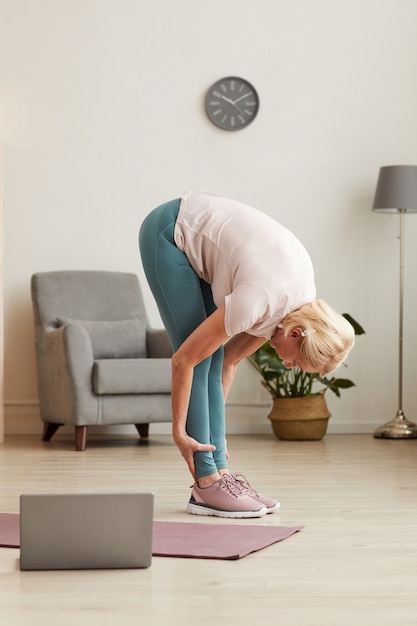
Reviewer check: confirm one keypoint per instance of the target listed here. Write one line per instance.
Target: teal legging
(184, 301)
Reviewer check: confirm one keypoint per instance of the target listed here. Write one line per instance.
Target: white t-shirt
(254, 265)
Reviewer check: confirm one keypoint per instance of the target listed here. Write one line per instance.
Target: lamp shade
(396, 189)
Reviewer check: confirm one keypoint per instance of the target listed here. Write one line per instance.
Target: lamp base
(398, 428)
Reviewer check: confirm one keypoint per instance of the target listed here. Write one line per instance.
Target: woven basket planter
(300, 419)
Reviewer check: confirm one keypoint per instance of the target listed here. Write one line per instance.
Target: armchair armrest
(65, 362)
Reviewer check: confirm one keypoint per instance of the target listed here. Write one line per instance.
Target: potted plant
(299, 410)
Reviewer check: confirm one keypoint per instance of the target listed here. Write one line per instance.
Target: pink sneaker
(246, 488)
(224, 499)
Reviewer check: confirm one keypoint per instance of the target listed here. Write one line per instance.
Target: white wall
(1, 303)
(102, 118)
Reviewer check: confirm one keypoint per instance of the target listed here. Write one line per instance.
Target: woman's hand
(188, 446)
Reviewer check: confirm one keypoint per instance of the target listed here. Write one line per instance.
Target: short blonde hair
(331, 340)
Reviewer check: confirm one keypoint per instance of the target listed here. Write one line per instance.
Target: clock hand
(241, 97)
(227, 99)
(236, 107)
(233, 103)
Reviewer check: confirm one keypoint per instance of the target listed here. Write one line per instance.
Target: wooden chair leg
(80, 438)
(143, 430)
(49, 431)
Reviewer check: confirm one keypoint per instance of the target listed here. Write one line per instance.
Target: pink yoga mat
(215, 541)
(9, 530)
(186, 539)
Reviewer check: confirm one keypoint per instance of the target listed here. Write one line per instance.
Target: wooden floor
(355, 562)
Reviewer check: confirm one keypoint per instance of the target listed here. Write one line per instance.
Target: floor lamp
(396, 192)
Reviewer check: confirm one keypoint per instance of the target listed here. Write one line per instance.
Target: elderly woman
(226, 278)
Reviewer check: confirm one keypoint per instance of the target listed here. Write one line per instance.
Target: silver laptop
(86, 531)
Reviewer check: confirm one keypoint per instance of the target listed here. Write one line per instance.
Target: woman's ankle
(207, 481)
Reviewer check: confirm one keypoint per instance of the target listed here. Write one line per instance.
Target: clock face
(232, 103)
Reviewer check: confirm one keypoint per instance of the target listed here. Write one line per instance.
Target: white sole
(199, 509)
(273, 508)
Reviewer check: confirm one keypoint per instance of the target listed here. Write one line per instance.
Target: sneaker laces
(244, 485)
(231, 485)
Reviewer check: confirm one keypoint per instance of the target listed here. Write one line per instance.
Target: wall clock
(232, 103)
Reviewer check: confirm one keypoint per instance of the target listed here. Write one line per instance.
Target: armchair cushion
(114, 339)
(137, 376)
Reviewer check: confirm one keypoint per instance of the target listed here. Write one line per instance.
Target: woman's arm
(236, 349)
(202, 343)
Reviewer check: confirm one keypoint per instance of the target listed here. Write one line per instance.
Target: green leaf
(356, 326)
(342, 383)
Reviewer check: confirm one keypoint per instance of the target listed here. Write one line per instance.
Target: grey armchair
(98, 361)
